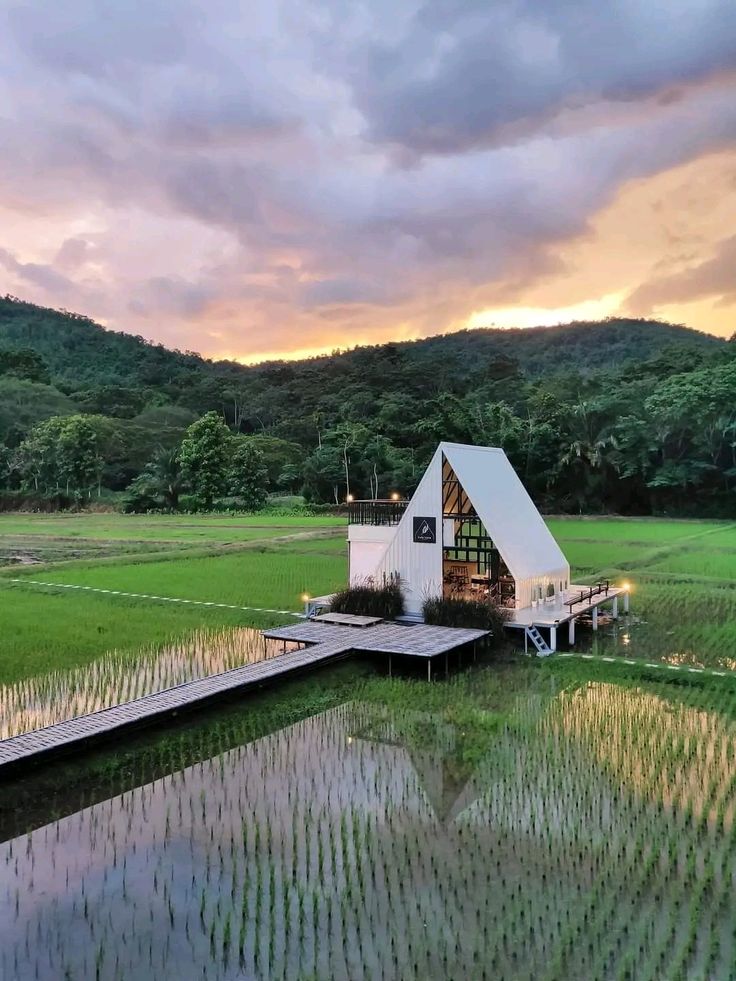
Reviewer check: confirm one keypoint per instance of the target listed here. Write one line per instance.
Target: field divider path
(637, 662)
(148, 596)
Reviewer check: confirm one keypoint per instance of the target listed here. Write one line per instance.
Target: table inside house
(480, 582)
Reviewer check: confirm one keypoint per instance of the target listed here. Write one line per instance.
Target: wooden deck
(385, 637)
(556, 614)
(77, 733)
(325, 641)
(347, 619)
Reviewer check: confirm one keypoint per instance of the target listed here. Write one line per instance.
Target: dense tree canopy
(629, 416)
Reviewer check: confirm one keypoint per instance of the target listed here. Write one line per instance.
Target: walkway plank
(327, 640)
(64, 736)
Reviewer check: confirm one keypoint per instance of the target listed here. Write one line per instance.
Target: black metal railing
(586, 595)
(376, 512)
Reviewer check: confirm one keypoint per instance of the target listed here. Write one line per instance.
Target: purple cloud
(237, 176)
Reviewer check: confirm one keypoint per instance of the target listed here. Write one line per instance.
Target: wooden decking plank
(26, 746)
(326, 639)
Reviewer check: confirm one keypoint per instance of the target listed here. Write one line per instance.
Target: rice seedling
(46, 699)
(520, 826)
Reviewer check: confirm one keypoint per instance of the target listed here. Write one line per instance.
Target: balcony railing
(376, 512)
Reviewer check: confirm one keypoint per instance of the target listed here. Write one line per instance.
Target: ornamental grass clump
(454, 612)
(386, 601)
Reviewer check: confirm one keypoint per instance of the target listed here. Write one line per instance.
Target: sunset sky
(281, 177)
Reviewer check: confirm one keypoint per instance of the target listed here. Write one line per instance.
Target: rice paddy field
(565, 818)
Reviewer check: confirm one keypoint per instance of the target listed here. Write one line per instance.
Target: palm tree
(166, 477)
(588, 455)
(158, 485)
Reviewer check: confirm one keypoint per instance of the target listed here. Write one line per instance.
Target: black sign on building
(425, 530)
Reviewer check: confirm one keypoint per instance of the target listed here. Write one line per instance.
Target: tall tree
(204, 457)
(247, 475)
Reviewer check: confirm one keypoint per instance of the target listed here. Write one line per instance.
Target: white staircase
(543, 648)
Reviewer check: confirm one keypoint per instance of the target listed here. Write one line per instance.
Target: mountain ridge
(26, 325)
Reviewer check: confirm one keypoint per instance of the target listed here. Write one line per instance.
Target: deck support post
(594, 613)
(429, 669)
(571, 632)
(553, 638)
(614, 609)
(626, 601)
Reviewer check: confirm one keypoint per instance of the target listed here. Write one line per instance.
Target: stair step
(410, 618)
(543, 648)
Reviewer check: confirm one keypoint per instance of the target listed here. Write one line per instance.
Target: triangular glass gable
(472, 566)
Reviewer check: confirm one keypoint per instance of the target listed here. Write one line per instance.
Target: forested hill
(80, 353)
(623, 415)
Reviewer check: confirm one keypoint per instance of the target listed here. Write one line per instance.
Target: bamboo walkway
(75, 733)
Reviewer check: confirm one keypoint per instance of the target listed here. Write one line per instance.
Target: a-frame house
(470, 529)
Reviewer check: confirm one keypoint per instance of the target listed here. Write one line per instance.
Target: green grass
(42, 630)
(650, 531)
(676, 568)
(334, 545)
(43, 627)
(683, 575)
(32, 539)
(699, 562)
(587, 558)
(245, 578)
(195, 528)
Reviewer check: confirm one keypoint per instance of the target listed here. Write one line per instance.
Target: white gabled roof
(505, 508)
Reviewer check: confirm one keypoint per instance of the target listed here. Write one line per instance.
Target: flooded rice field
(56, 696)
(505, 824)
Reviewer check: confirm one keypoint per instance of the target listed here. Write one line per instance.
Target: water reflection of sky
(373, 842)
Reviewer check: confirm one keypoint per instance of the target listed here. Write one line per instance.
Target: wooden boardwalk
(76, 733)
(325, 641)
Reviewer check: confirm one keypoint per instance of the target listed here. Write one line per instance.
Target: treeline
(624, 416)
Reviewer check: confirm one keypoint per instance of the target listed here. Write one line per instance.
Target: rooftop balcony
(376, 512)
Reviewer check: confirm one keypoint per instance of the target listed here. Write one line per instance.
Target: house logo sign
(425, 530)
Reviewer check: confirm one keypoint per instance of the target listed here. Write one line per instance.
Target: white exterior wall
(418, 564)
(526, 589)
(366, 547)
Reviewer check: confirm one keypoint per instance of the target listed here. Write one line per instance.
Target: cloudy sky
(278, 177)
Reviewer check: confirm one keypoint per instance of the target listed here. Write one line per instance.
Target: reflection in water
(59, 695)
(569, 841)
(675, 622)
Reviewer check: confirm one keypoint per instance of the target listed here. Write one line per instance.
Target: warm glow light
(305, 597)
(395, 496)
(626, 586)
(539, 316)
(349, 498)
